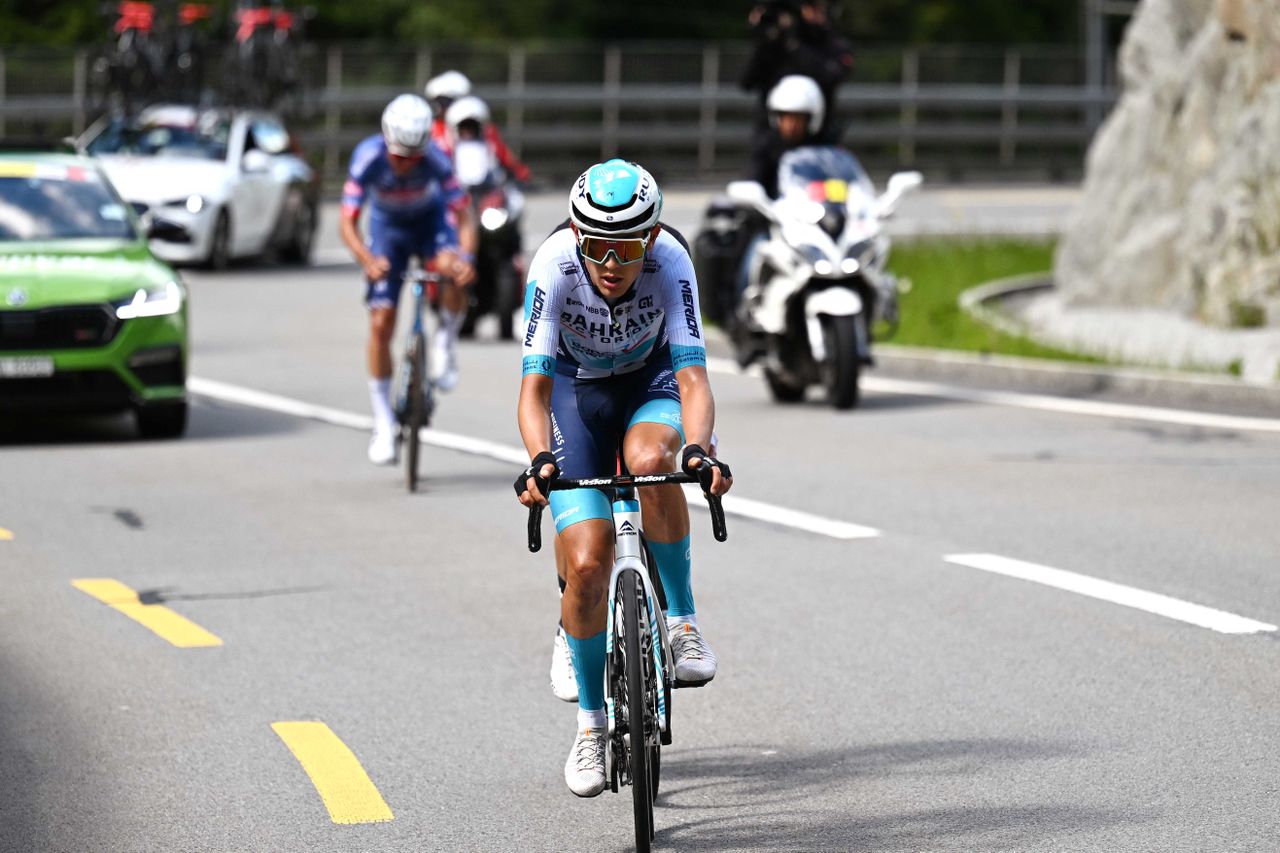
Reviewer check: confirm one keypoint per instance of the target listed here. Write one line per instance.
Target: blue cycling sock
(588, 670)
(674, 564)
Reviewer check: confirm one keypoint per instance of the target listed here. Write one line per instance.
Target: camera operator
(796, 37)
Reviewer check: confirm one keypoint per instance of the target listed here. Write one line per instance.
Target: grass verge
(940, 269)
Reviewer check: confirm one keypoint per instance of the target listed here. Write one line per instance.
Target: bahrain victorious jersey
(571, 329)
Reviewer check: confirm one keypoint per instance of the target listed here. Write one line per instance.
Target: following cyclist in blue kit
(614, 355)
(416, 209)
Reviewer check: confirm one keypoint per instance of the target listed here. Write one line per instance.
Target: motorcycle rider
(442, 90)
(797, 111)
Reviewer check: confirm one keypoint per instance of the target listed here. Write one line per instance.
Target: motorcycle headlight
(493, 218)
(151, 302)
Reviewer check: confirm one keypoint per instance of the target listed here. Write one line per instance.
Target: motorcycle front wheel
(841, 368)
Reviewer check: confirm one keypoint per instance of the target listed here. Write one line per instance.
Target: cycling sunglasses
(627, 250)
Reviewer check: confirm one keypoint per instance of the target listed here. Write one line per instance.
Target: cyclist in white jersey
(614, 355)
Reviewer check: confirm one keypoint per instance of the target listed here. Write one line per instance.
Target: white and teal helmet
(615, 197)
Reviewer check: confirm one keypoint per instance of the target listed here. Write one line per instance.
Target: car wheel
(298, 249)
(219, 257)
(161, 420)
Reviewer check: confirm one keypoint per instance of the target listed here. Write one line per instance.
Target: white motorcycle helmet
(468, 108)
(796, 93)
(443, 89)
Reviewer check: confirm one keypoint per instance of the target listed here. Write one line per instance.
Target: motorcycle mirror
(750, 193)
(900, 183)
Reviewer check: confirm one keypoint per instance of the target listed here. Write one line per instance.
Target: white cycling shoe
(382, 447)
(444, 366)
(564, 682)
(695, 662)
(584, 771)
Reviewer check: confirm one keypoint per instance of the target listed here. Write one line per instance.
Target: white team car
(235, 179)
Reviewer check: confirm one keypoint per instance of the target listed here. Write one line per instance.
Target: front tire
(161, 420)
(638, 754)
(219, 257)
(416, 416)
(841, 369)
(302, 238)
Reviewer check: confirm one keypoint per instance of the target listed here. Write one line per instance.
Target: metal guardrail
(1022, 113)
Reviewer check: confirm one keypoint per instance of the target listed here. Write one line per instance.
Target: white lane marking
(733, 505)
(1128, 596)
(1043, 402)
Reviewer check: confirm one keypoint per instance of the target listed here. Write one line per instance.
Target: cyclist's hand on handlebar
(531, 484)
(376, 267)
(713, 475)
(456, 267)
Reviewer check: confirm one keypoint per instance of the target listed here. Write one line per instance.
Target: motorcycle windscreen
(825, 174)
(471, 162)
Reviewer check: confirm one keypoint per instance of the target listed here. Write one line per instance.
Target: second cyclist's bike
(639, 670)
(415, 392)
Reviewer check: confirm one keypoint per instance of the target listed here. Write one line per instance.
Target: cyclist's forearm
(468, 237)
(697, 406)
(534, 413)
(350, 233)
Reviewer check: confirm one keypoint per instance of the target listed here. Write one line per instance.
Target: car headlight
(193, 203)
(493, 218)
(152, 302)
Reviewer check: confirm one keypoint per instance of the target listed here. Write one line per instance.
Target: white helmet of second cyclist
(796, 93)
(406, 125)
(615, 197)
(450, 84)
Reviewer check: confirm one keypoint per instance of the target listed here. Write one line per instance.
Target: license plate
(26, 367)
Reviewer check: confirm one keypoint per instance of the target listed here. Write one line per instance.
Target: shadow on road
(769, 802)
(209, 419)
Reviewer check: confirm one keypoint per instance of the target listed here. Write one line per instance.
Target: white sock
(450, 322)
(594, 720)
(380, 399)
(674, 621)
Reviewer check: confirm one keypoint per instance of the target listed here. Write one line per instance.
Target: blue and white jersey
(395, 199)
(571, 329)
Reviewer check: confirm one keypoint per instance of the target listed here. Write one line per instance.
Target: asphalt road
(873, 694)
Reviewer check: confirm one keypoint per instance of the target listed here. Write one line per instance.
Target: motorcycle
(497, 204)
(815, 275)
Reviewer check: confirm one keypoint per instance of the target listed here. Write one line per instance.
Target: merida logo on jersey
(535, 314)
(690, 315)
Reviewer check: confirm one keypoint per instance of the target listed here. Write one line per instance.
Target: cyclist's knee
(585, 571)
(651, 459)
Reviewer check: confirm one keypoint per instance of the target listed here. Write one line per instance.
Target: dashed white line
(1128, 596)
(733, 505)
(1044, 402)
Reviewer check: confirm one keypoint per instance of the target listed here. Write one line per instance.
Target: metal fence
(959, 113)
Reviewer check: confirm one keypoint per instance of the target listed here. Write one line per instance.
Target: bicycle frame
(628, 558)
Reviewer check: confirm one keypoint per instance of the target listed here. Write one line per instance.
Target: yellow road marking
(6, 535)
(179, 630)
(347, 791)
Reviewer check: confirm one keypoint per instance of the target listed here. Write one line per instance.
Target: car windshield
(812, 169)
(39, 202)
(162, 140)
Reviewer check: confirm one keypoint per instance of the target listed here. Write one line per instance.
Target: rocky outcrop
(1181, 206)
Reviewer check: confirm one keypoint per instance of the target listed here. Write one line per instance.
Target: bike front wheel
(639, 681)
(417, 404)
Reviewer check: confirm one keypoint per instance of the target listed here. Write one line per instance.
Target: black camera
(777, 19)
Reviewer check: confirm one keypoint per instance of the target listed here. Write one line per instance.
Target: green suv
(90, 321)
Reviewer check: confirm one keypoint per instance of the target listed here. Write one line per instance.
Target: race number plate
(26, 367)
